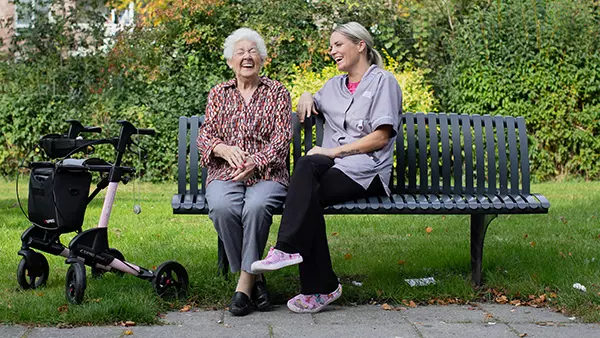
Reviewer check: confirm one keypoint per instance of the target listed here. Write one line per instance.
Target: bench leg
(479, 225)
(223, 263)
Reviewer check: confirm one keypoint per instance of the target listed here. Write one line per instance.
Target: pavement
(474, 320)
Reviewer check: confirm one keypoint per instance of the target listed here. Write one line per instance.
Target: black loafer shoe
(261, 296)
(240, 305)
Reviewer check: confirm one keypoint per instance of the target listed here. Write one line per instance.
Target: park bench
(445, 164)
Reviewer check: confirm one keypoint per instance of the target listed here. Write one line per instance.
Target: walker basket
(58, 198)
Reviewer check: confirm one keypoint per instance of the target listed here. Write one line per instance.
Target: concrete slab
(78, 332)
(558, 330)
(216, 330)
(523, 314)
(12, 331)
(195, 317)
(347, 331)
(464, 330)
(447, 314)
(364, 314)
(280, 316)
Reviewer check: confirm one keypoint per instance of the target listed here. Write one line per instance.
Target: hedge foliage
(536, 58)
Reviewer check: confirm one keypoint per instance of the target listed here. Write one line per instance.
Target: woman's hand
(306, 106)
(232, 154)
(316, 150)
(246, 171)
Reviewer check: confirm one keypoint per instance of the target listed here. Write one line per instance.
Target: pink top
(352, 86)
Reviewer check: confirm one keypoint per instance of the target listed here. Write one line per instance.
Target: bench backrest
(436, 153)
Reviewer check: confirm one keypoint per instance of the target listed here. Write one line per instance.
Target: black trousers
(314, 185)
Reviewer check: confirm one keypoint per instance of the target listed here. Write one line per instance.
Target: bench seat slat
(374, 202)
(543, 200)
(435, 201)
(399, 202)
(188, 201)
(423, 202)
(176, 201)
(386, 202)
(484, 202)
(410, 202)
(497, 202)
(447, 201)
(508, 202)
(472, 201)
(521, 202)
(532, 201)
(459, 201)
(200, 203)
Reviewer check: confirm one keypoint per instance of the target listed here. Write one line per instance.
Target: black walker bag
(58, 198)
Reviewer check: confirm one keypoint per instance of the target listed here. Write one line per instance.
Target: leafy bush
(540, 60)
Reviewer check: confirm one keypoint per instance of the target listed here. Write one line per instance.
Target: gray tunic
(348, 117)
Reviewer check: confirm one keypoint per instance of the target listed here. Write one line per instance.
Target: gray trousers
(242, 217)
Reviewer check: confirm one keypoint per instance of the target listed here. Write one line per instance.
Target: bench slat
(444, 135)
(400, 168)
(484, 201)
(491, 154)
(468, 149)
(296, 139)
(502, 164)
(513, 155)
(447, 201)
(509, 203)
(472, 201)
(194, 126)
(480, 154)
(533, 202)
(524, 154)
(423, 166)
(386, 202)
(423, 202)
(435, 158)
(456, 154)
(435, 201)
(308, 126)
(412, 154)
(399, 202)
(411, 203)
(182, 155)
(543, 200)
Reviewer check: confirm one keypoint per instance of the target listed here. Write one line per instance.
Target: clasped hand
(237, 158)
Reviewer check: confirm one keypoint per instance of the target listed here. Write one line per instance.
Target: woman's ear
(361, 46)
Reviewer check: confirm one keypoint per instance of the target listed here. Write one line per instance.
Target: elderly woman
(361, 109)
(244, 142)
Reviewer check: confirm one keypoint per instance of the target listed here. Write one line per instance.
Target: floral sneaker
(275, 260)
(313, 303)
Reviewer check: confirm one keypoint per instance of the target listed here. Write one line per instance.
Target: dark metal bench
(446, 164)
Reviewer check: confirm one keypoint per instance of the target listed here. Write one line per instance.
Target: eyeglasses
(242, 52)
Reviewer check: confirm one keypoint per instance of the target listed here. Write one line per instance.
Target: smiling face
(346, 53)
(246, 60)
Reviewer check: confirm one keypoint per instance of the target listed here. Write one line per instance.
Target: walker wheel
(75, 284)
(171, 280)
(30, 276)
(97, 272)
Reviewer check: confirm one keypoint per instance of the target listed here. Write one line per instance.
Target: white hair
(356, 33)
(244, 34)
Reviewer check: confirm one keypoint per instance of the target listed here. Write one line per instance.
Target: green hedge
(538, 59)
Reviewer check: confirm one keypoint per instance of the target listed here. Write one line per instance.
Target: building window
(27, 10)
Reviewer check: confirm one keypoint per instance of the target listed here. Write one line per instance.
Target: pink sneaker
(275, 260)
(313, 303)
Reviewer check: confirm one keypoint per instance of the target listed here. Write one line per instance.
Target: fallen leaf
(515, 302)
(532, 244)
(408, 235)
(185, 308)
(379, 293)
(443, 218)
(348, 256)
(401, 262)
(523, 335)
(62, 308)
(39, 294)
(562, 254)
(563, 219)
(525, 236)
(128, 332)
(502, 300)
(334, 234)
(412, 304)
(428, 229)
(129, 323)
(387, 307)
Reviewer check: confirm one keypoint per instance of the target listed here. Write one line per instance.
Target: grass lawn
(538, 256)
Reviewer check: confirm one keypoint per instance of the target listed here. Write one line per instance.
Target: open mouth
(248, 65)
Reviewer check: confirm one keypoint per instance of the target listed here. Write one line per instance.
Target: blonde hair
(357, 33)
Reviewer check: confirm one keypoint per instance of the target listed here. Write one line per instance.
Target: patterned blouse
(262, 128)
